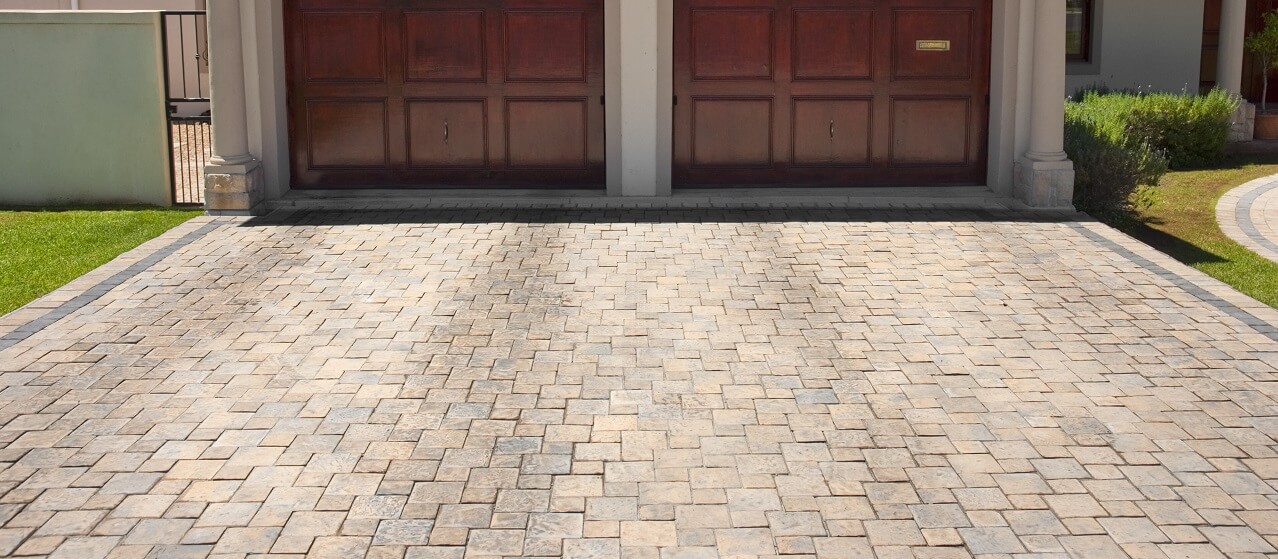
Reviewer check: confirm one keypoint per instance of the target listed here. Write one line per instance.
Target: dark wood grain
(438, 93)
(830, 92)
(445, 45)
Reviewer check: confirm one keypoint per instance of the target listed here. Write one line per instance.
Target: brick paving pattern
(642, 385)
(1249, 215)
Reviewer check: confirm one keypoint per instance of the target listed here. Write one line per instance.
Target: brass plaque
(932, 45)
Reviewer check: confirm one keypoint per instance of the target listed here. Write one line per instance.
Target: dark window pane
(1078, 23)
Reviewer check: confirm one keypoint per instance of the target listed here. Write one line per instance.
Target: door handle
(445, 131)
(831, 129)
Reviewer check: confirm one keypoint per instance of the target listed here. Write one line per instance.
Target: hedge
(1123, 141)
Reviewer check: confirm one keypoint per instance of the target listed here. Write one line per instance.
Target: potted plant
(1264, 44)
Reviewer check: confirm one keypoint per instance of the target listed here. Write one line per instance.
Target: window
(1078, 30)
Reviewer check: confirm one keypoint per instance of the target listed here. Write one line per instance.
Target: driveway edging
(1227, 299)
(1237, 216)
(26, 321)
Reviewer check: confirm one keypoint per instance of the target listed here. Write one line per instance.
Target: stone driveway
(640, 385)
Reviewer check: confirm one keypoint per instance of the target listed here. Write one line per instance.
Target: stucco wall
(1147, 44)
(83, 114)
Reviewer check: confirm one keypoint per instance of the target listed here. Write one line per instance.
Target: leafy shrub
(1192, 130)
(1123, 142)
(1111, 165)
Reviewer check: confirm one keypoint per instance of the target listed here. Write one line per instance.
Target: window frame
(1092, 45)
(1087, 34)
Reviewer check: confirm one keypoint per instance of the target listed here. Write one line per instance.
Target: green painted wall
(82, 109)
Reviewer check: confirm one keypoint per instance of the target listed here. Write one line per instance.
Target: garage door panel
(347, 133)
(933, 44)
(547, 133)
(359, 58)
(831, 132)
(833, 44)
(447, 133)
(732, 132)
(863, 92)
(732, 44)
(930, 131)
(445, 93)
(445, 45)
(546, 46)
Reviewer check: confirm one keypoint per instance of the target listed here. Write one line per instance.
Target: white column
(1045, 176)
(638, 122)
(638, 35)
(233, 179)
(1047, 120)
(1229, 67)
(1229, 59)
(226, 84)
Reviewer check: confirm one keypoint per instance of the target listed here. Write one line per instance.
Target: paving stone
(649, 384)
(496, 542)
(1237, 539)
(403, 532)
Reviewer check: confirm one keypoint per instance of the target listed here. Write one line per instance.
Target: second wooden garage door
(420, 93)
(831, 92)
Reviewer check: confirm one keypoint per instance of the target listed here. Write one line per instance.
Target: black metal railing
(192, 140)
(186, 90)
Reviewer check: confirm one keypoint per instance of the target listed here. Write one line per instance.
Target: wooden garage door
(421, 93)
(831, 92)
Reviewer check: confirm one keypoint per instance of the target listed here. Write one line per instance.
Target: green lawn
(1182, 223)
(41, 251)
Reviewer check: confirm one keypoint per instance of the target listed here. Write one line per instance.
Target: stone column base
(234, 189)
(1242, 127)
(1045, 184)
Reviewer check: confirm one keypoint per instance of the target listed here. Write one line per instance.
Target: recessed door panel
(358, 58)
(731, 44)
(347, 133)
(733, 132)
(831, 132)
(445, 45)
(831, 93)
(547, 133)
(445, 93)
(546, 46)
(833, 44)
(447, 133)
(930, 131)
(933, 44)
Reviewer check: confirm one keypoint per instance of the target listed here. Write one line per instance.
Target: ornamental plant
(1264, 43)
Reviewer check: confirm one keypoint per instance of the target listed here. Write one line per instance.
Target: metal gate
(186, 92)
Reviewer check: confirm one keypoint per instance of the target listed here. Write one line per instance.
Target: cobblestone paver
(643, 385)
(1249, 215)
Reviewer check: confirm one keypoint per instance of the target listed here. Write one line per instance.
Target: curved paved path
(1249, 215)
(640, 385)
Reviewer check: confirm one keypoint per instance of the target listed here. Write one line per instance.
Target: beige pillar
(1229, 66)
(1045, 176)
(639, 146)
(232, 180)
(1229, 59)
(226, 64)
